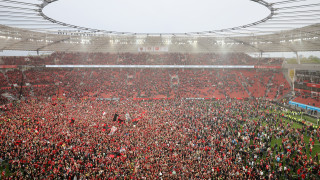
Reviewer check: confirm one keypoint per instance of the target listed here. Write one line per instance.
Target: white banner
(153, 49)
(154, 66)
(113, 129)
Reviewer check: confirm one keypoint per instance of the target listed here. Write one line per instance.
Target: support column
(298, 58)
(293, 80)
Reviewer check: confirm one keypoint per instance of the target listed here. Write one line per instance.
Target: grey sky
(161, 16)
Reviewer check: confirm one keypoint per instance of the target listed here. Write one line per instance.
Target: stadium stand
(118, 104)
(61, 128)
(147, 83)
(307, 88)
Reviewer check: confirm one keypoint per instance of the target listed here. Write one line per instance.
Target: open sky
(157, 16)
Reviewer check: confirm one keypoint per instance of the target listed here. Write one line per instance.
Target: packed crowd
(164, 139)
(61, 58)
(145, 83)
(63, 126)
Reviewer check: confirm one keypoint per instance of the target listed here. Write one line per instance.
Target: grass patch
(264, 123)
(304, 60)
(307, 118)
(294, 124)
(5, 167)
(304, 117)
(310, 119)
(316, 149)
(276, 141)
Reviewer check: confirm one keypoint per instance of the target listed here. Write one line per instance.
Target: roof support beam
(56, 42)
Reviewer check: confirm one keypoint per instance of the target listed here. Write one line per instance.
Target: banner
(149, 49)
(306, 91)
(113, 129)
(304, 106)
(291, 74)
(156, 66)
(141, 49)
(313, 85)
(8, 66)
(267, 67)
(153, 49)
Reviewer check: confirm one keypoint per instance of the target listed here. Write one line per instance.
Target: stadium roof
(291, 26)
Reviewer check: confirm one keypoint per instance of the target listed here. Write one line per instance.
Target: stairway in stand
(269, 86)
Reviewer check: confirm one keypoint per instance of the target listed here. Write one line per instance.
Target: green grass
(316, 148)
(304, 117)
(294, 125)
(310, 119)
(285, 121)
(304, 60)
(276, 141)
(307, 118)
(6, 168)
(264, 123)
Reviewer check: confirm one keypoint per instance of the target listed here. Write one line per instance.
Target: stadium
(81, 101)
